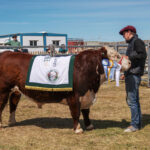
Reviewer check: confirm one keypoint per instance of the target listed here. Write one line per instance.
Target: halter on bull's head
(115, 56)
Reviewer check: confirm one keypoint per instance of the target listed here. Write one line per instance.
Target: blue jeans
(132, 83)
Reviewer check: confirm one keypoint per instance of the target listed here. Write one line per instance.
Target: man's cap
(14, 36)
(127, 28)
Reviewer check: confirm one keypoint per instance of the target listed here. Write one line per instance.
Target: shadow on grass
(145, 120)
(56, 122)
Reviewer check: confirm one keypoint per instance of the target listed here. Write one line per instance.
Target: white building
(37, 39)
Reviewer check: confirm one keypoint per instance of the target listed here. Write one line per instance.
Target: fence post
(116, 47)
(148, 64)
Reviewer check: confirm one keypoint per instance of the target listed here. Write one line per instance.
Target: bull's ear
(104, 52)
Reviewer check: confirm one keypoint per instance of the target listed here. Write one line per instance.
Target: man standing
(62, 49)
(16, 43)
(137, 54)
(13, 42)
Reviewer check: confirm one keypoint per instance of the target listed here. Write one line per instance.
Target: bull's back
(14, 67)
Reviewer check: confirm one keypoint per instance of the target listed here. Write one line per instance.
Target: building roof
(75, 39)
(34, 34)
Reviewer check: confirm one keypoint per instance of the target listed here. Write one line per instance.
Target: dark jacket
(137, 54)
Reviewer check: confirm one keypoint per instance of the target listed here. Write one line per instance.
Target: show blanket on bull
(50, 73)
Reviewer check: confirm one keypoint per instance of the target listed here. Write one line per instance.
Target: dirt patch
(51, 127)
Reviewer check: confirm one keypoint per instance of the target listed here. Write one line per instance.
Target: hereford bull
(86, 77)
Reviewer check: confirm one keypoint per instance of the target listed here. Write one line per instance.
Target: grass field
(50, 128)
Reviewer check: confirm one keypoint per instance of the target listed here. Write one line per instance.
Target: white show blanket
(49, 72)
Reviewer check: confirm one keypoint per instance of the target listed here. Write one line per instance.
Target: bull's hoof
(12, 123)
(78, 131)
(39, 105)
(90, 127)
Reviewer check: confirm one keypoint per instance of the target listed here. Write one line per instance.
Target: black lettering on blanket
(55, 62)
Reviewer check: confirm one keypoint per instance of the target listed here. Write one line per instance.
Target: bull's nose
(129, 62)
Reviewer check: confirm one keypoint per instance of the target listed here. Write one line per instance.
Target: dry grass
(50, 128)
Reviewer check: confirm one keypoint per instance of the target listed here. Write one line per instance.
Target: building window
(33, 43)
(56, 43)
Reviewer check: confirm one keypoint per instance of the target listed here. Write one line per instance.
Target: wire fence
(121, 48)
(38, 50)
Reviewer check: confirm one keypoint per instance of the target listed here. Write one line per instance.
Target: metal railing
(118, 47)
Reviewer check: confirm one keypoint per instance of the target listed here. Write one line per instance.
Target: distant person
(48, 50)
(51, 50)
(13, 42)
(62, 49)
(16, 43)
(136, 52)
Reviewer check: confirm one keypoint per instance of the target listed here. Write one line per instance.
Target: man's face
(49, 51)
(127, 35)
(15, 38)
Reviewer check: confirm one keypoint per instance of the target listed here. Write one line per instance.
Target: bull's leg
(3, 102)
(13, 102)
(74, 106)
(87, 122)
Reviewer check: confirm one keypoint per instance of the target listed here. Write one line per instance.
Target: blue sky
(94, 20)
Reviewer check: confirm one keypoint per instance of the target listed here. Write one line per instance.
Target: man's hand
(20, 50)
(122, 77)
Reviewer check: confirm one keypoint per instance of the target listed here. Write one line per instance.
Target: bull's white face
(125, 64)
(115, 56)
(112, 53)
